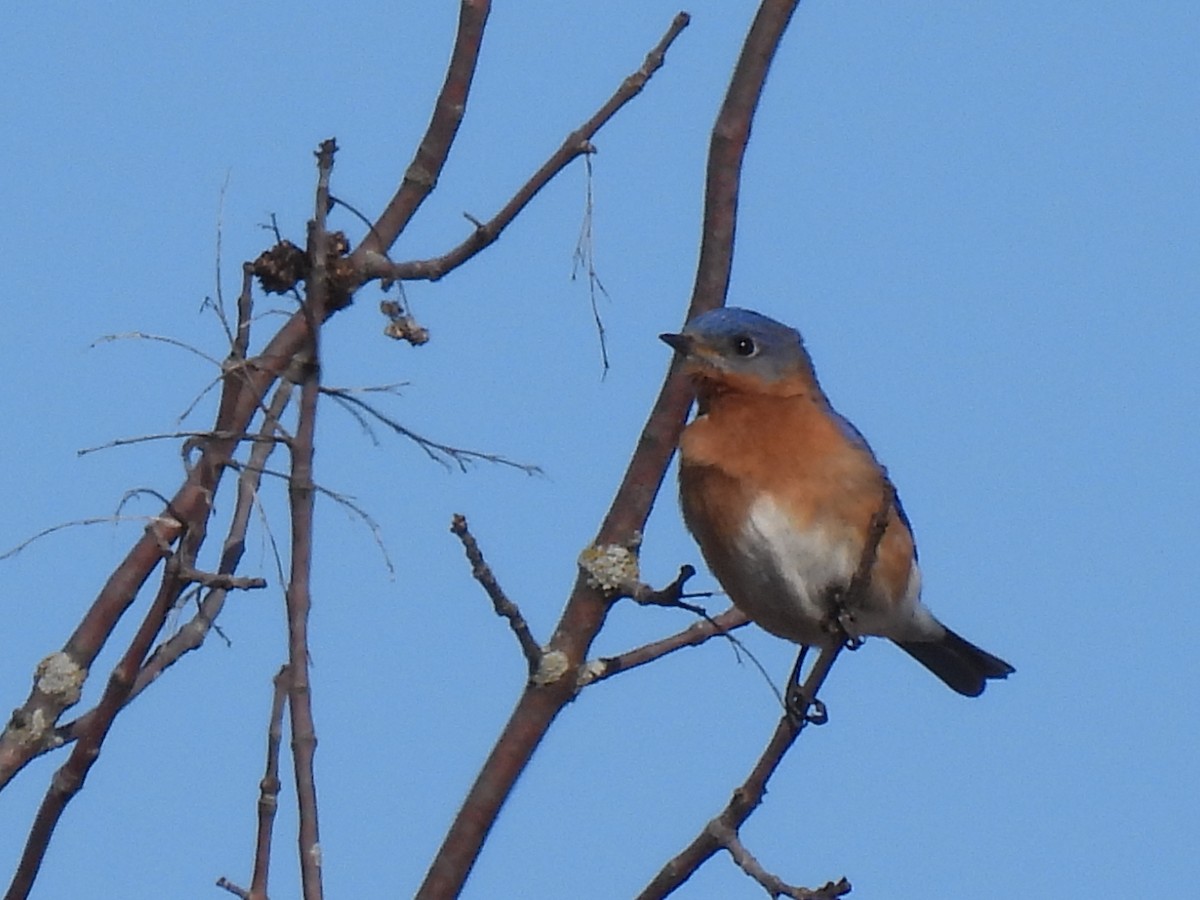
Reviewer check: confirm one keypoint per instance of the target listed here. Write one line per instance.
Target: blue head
(731, 344)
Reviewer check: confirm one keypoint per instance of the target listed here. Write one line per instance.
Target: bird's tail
(963, 666)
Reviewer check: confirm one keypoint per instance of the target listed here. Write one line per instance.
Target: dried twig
(94, 520)
(191, 436)
(234, 889)
(746, 798)
(504, 607)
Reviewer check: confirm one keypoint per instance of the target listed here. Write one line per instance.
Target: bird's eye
(744, 346)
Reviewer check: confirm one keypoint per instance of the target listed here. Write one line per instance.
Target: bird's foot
(804, 710)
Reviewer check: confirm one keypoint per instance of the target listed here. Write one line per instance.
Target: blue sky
(984, 219)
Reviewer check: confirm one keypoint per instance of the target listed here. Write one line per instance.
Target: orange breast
(789, 448)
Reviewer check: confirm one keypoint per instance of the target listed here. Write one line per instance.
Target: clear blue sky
(984, 219)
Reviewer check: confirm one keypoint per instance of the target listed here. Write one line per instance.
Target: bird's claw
(802, 710)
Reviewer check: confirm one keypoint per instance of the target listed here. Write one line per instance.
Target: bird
(781, 492)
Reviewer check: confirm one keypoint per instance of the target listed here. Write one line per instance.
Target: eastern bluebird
(780, 492)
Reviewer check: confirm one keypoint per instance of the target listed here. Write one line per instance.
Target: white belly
(786, 574)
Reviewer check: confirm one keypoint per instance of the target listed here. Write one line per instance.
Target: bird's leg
(803, 709)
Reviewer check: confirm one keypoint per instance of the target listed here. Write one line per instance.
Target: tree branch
(586, 608)
(301, 497)
(577, 143)
(69, 778)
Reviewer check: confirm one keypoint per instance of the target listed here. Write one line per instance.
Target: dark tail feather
(963, 666)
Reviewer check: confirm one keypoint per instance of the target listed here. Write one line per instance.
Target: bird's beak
(681, 343)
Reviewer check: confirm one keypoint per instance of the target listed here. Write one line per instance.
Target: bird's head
(741, 349)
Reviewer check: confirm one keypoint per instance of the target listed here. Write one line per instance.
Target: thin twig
(94, 520)
(695, 634)
(174, 435)
(585, 258)
(747, 797)
(504, 607)
(435, 450)
(162, 339)
(245, 305)
(342, 500)
(228, 885)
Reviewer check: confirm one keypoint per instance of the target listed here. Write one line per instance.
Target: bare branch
(245, 306)
(219, 581)
(727, 150)
(374, 264)
(504, 607)
(772, 884)
(746, 798)
(192, 635)
(228, 885)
